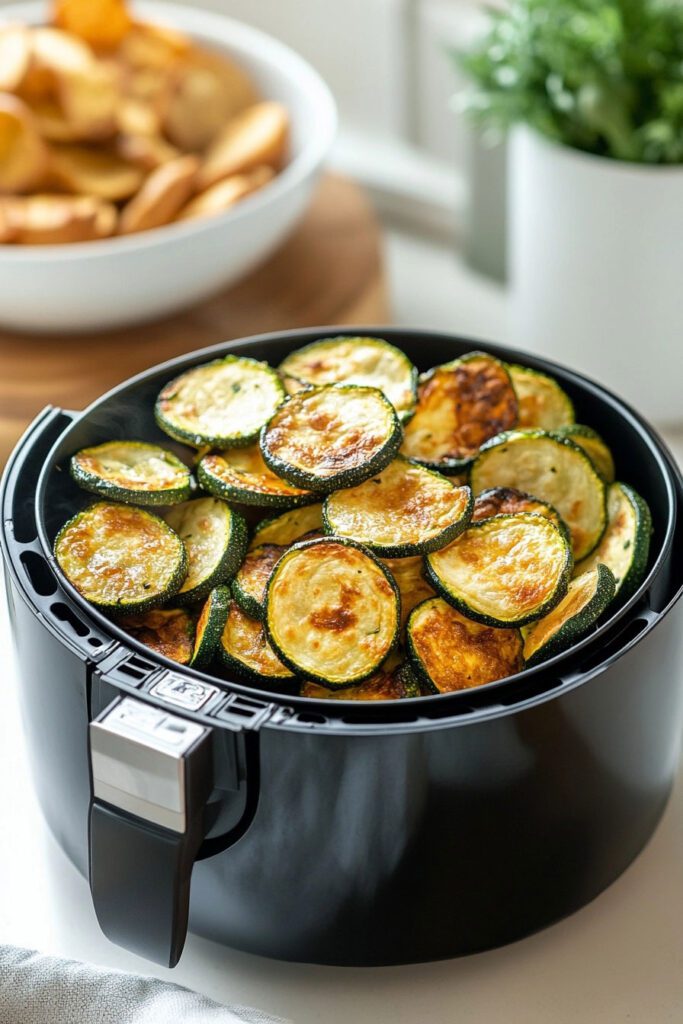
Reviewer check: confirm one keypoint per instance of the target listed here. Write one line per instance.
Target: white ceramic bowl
(113, 282)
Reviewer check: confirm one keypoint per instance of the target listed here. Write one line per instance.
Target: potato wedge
(55, 219)
(163, 194)
(224, 194)
(59, 53)
(23, 154)
(152, 46)
(133, 117)
(7, 226)
(256, 136)
(146, 151)
(95, 172)
(102, 23)
(15, 55)
(204, 93)
(90, 99)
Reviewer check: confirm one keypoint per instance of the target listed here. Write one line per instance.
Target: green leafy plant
(605, 76)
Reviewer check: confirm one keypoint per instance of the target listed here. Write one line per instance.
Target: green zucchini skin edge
(581, 430)
(95, 484)
(489, 620)
(228, 565)
(215, 441)
(237, 668)
(213, 485)
(282, 655)
(641, 542)
(346, 478)
(566, 400)
(247, 602)
(206, 644)
(421, 547)
(573, 629)
(134, 607)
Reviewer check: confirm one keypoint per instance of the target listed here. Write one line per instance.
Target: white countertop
(619, 959)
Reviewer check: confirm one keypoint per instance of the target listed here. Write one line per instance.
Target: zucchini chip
(370, 362)
(244, 648)
(210, 626)
(332, 611)
(242, 475)
(553, 469)
(289, 527)
(405, 510)
(542, 402)
(133, 472)
(293, 385)
(504, 571)
(585, 601)
(409, 576)
(169, 632)
(223, 403)
(460, 405)
(451, 652)
(249, 585)
(498, 501)
(121, 558)
(215, 538)
(594, 447)
(332, 436)
(394, 681)
(625, 545)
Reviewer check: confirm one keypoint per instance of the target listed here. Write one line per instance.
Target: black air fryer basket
(333, 831)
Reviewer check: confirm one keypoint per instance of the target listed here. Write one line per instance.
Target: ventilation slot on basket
(39, 573)
(136, 668)
(65, 614)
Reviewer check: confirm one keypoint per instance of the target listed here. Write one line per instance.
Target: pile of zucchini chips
(430, 533)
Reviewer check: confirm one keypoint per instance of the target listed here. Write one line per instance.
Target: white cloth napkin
(36, 989)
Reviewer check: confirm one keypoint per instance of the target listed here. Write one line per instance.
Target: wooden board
(328, 272)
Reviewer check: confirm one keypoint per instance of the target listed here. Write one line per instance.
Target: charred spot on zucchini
(332, 611)
(404, 510)
(251, 580)
(215, 538)
(460, 405)
(369, 362)
(409, 576)
(289, 527)
(498, 501)
(452, 652)
(504, 571)
(585, 601)
(542, 402)
(593, 445)
(169, 632)
(550, 468)
(394, 681)
(223, 403)
(121, 558)
(242, 475)
(625, 544)
(244, 648)
(133, 472)
(332, 436)
(210, 626)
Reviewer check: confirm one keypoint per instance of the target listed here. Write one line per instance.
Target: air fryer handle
(151, 775)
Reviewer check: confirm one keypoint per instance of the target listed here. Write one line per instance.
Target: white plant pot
(595, 250)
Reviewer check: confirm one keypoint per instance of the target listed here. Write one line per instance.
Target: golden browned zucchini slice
(169, 632)
(594, 447)
(504, 571)
(370, 362)
(451, 652)
(409, 576)
(404, 510)
(245, 649)
(251, 580)
(625, 544)
(121, 558)
(498, 501)
(223, 403)
(332, 611)
(460, 405)
(332, 436)
(132, 471)
(542, 402)
(553, 469)
(215, 538)
(394, 681)
(241, 475)
(585, 601)
(289, 527)
(210, 626)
